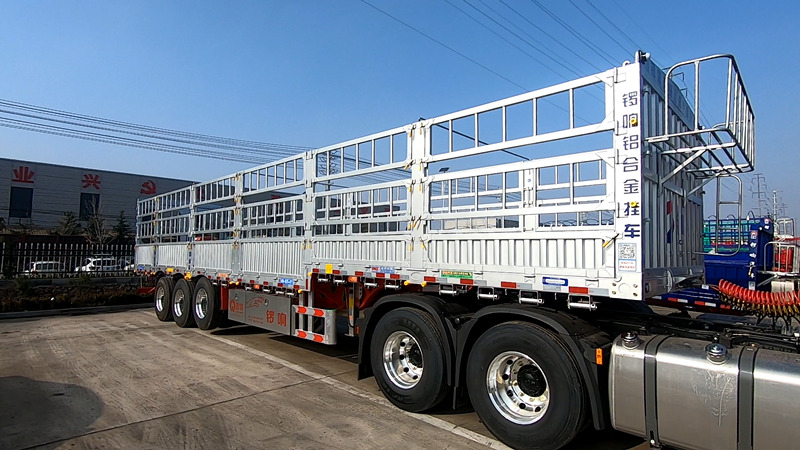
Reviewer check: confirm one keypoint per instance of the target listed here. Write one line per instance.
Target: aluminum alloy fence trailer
(501, 255)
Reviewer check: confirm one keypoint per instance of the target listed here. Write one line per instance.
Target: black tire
(182, 303)
(417, 343)
(511, 368)
(206, 305)
(162, 298)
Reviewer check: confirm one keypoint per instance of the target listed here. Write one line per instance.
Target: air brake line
(759, 303)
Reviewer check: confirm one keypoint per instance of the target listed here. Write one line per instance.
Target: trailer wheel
(407, 357)
(525, 386)
(206, 307)
(182, 303)
(163, 298)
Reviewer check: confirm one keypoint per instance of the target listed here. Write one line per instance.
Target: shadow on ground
(40, 413)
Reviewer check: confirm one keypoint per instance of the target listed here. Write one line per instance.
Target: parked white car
(44, 268)
(98, 264)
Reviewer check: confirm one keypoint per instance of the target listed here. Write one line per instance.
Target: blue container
(741, 250)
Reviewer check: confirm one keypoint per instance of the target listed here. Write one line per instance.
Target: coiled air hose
(759, 303)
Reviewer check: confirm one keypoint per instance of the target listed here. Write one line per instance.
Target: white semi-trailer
(503, 254)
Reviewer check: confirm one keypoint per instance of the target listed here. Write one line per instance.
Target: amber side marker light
(598, 356)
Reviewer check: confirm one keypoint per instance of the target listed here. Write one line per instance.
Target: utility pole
(775, 202)
(759, 192)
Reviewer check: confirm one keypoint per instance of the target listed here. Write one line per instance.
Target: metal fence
(56, 260)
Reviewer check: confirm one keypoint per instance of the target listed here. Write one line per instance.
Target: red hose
(758, 302)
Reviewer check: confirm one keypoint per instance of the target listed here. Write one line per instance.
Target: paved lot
(126, 380)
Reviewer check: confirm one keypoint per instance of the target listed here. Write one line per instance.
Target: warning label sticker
(457, 274)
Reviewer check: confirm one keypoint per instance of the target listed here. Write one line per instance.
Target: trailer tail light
(223, 297)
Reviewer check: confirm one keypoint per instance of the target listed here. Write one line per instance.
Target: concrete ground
(126, 380)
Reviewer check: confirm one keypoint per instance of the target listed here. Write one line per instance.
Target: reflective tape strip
(309, 336)
(316, 312)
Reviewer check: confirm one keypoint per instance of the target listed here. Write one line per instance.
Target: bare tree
(96, 231)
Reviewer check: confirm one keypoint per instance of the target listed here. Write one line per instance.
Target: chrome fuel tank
(691, 394)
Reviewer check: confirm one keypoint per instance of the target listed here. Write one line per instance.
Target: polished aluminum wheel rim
(160, 298)
(177, 308)
(402, 359)
(201, 304)
(518, 388)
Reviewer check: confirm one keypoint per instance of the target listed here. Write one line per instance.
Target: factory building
(36, 195)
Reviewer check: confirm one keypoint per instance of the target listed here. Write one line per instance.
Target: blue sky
(314, 73)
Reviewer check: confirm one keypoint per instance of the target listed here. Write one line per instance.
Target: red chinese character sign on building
(148, 188)
(91, 180)
(23, 174)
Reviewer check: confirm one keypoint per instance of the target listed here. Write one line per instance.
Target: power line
(444, 45)
(109, 139)
(150, 129)
(56, 122)
(626, 35)
(557, 41)
(254, 151)
(89, 128)
(603, 30)
(610, 22)
(515, 35)
(574, 71)
(609, 59)
(635, 22)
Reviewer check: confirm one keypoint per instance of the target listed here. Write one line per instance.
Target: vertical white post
(626, 250)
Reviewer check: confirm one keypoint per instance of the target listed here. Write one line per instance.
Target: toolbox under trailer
(501, 254)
